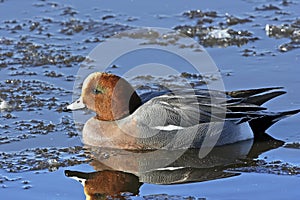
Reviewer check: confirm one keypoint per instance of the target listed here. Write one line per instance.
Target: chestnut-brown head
(110, 96)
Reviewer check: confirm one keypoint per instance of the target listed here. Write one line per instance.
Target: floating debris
(295, 145)
(267, 8)
(262, 166)
(108, 17)
(52, 74)
(42, 158)
(26, 187)
(231, 20)
(291, 31)
(200, 14)
(170, 197)
(254, 52)
(212, 29)
(279, 31)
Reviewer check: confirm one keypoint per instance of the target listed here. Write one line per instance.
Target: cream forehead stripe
(89, 78)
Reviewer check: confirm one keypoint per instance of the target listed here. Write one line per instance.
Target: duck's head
(110, 96)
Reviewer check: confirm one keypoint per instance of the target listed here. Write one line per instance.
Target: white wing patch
(168, 128)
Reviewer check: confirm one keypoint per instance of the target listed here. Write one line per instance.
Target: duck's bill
(78, 104)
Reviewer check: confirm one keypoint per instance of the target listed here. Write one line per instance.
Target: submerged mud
(276, 167)
(290, 31)
(213, 29)
(42, 159)
(39, 58)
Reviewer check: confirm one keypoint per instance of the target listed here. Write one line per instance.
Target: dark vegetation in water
(267, 8)
(32, 96)
(290, 31)
(42, 158)
(261, 166)
(214, 29)
(171, 197)
(294, 145)
(38, 58)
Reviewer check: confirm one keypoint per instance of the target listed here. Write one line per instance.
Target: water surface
(43, 43)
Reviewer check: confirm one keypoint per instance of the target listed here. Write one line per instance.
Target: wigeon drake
(172, 121)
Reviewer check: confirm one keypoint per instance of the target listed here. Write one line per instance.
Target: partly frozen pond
(42, 43)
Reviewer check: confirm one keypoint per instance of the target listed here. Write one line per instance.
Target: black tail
(260, 124)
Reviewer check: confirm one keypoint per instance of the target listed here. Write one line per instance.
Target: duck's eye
(98, 90)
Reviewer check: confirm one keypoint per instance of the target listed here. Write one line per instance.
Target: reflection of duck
(147, 163)
(104, 184)
(173, 121)
(125, 171)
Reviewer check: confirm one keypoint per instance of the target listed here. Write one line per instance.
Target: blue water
(274, 68)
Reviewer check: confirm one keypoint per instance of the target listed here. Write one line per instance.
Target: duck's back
(213, 117)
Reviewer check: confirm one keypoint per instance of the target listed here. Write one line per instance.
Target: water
(42, 45)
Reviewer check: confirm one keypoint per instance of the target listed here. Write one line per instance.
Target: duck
(177, 119)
